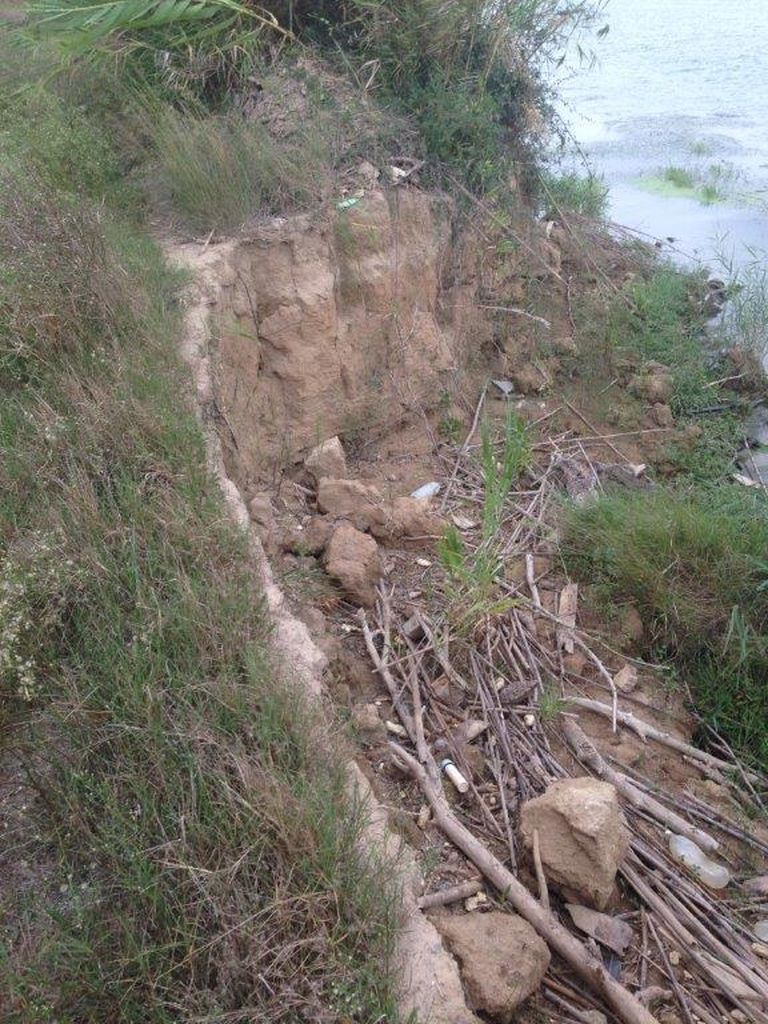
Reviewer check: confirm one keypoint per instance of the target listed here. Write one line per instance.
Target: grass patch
(574, 193)
(201, 847)
(712, 184)
(656, 318)
(219, 170)
(469, 74)
(694, 565)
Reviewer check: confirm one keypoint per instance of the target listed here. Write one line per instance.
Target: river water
(674, 116)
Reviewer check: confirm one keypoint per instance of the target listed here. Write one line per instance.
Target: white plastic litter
(453, 773)
(686, 852)
(761, 930)
(427, 490)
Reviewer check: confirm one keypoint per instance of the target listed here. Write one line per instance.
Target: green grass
(712, 184)
(470, 75)
(473, 574)
(196, 843)
(693, 563)
(219, 170)
(573, 193)
(657, 319)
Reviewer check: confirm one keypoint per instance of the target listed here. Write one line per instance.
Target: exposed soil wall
(341, 325)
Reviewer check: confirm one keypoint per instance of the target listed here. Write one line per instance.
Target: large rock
(352, 499)
(501, 958)
(583, 837)
(353, 559)
(406, 519)
(327, 459)
(306, 343)
(388, 520)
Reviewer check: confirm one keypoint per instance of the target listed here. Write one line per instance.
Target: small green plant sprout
(449, 428)
(476, 572)
(551, 703)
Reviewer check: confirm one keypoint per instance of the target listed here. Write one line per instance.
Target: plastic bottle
(686, 852)
(761, 930)
(427, 490)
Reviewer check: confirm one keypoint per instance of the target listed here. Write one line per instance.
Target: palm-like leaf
(83, 24)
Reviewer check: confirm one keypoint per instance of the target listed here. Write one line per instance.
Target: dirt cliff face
(342, 325)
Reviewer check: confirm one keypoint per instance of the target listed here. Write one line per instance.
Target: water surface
(683, 84)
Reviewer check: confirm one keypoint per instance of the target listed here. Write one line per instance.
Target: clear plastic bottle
(761, 930)
(686, 852)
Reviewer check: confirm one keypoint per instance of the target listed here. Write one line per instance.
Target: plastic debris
(761, 930)
(450, 770)
(686, 852)
(506, 387)
(348, 203)
(427, 490)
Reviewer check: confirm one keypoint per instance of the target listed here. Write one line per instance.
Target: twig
(464, 448)
(389, 682)
(451, 895)
(531, 579)
(682, 1001)
(518, 312)
(541, 878)
(646, 731)
(596, 432)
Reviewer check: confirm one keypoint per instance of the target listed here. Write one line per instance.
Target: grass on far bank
(191, 851)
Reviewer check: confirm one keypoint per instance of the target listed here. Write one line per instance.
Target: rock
(263, 519)
(312, 539)
(625, 679)
(356, 672)
(631, 625)
(583, 837)
(404, 519)
(317, 533)
(353, 559)
(756, 427)
(357, 501)
(527, 379)
(501, 958)
(363, 505)
(662, 415)
(327, 459)
(367, 722)
(368, 174)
